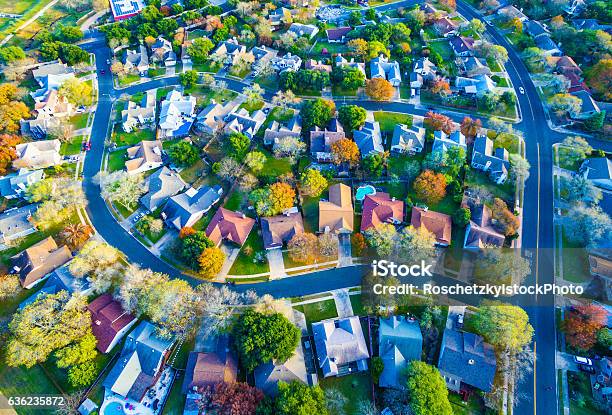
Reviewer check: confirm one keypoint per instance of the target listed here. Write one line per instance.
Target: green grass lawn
(125, 212)
(116, 160)
(575, 261)
(473, 406)
(321, 310)
(244, 264)
(579, 383)
(442, 47)
(357, 305)
(207, 66)
(79, 121)
(388, 120)
(355, 388)
(72, 147)
(338, 91)
(176, 400)
(332, 48)
(502, 83)
(121, 138)
(192, 173)
(310, 211)
(235, 200)
(153, 72)
(252, 106)
(505, 191)
(274, 167)
(19, 381)
(129, 79)
(508, 141)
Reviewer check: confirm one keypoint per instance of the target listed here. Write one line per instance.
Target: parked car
(587, 369)
(583, 361)
(459, 321)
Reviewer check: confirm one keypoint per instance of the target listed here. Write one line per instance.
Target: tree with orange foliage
(12, 109)
(345, 151)
(210, 262)
(430, 187)
(441, 86)
(282, 196)
(581, 325)
(379, 89)
(7, 151)
(451, 5)
(470, 127)
(186, 231)
(557, 22)
(437, 122)
(235, 398)
(599, 77)
(359, 244)
(504, 220)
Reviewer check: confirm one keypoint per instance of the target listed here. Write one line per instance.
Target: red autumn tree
(441, 87)
(236, 398)
(437, 121)
(359, 243)
(505, 221)
(470, 127)
(186, 231)
(430, 187)
(7, 151)
(582, 324)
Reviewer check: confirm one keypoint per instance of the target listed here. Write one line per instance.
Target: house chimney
(471, 362)
(98, 322)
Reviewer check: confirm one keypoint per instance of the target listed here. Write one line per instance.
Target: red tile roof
(230, 225)
(108, 318)
(437, 223)
(381, 208)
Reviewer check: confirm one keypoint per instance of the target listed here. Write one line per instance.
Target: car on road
(522, 90)
(459, 321)
(108, 62)
(584, 361)
(86, 146)
(102, 71)
(489, 23)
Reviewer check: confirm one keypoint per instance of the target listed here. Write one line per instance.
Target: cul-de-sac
(306, 207)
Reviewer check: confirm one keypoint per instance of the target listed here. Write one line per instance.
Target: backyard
(121, 138)
(356, 388)
(116, 160)
(321, 310)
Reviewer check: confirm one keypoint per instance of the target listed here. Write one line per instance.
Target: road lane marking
(535, 370)
(538, 225)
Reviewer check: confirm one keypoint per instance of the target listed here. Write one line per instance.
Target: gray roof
(545, 43)
(140, 362)
(17, 183)
(408, 137)
(443, 142)
(269, 374)
(400, 341)
(480, 232)
(15, 222)
(182, 207)
(597, 168)
(588, 103)
(467, 356)
(534, 28)
(484, 155)
(339, 342)
(369, 139)
(161, 185)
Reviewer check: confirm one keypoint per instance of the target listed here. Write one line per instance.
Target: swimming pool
(114, 408)
(363, 191)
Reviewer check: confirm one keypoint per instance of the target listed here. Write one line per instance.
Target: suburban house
(177, 114)
(229, 226)
(473, 66)
(598, 170)
(233, 52)
(278, 230)
(381, 208)
(61, 279)
(109, 322)
(281, 17)
(369, 139)
(535, 29)
(139, 115)
(381, 67)
(407, 139)
(53, 105)
(38, 261)
(465, 359)
(263, 54)
(439, 224)
(161, 185)
(140, 363)
(462, 46)
(589, 24)
(161, 51)
(442, 141)
(445, 26)
(288, 62)
(210, 119)
(547, 45)
(277, 131)
(243, 122)
(399, 342)
(340, 345)
(38, 154)
(575, 7)
(14, 185)
(588, 108)
(16, 223)
(492, 161)
(188, 207)
(124, 9)
(336, 213)
(565, 65)
(269, 374)
(207, 369)
(423, 71)
(136, 60)
(342, 61)
(314, 65)
(480, 232)
(144, 156)
(477, 85)
(306, 30)
(510, 12)
(322, 140)
(338, 34)
(50, 77)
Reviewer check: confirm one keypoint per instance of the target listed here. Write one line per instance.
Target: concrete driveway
(277, 265)
(566, 361)
(345, 255)
(343, 303)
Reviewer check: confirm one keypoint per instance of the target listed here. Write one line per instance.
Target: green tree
(312, 182)
(83, 375)
(184, 154)
(9, 54)
(192, 247)
(427, 390)
(381, 238)
(77, 353)
(255, 160)
(77, 92)
(297, 398)
(260, 338)
(595, 122)
(240, 144)
(377, 367)
(505, 326)
(199, 49)
(374, 164)
(462, 216)
(188, 78)
(352, 117)
(69, 34)
(317, 112)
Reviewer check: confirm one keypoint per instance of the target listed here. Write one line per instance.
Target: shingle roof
(369, 139)
(269, 374)
(435, 222)
(277, 230)
(400, 341)
(210, 368)
(143, 153)
(337, 33)
(182, 207)
(380, 208)
(230, 225)
(108, 318)
(39, 260)
(161, 185)
(337, 213)
(481, 232)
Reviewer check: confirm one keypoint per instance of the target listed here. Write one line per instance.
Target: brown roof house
(38, 261)
(269, 374)
(322, 140)
(144, 156)
(278, 230)
(480, 231)
(109, 322)
(229, 225)
(381, 208)
(206, 369)
(435, 222)
(336, 214)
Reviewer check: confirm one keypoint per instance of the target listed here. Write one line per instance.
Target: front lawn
(245, 264)
(388, 120)
(310, 211)
(235, 200)
(356, 388)
(252, 106)
(321, 310)
(116, 160)
(575, 261)
(79, 120)
(442, 47)
(357, 305)
(121, 138)
(332, 49)
(72, 147)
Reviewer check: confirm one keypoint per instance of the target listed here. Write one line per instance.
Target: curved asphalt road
(537, 214)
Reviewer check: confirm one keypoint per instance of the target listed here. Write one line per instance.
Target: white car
(108, 62)
(583, 361)
(522, 90)
(489, 23)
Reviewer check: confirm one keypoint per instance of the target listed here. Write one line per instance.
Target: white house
(381, 67)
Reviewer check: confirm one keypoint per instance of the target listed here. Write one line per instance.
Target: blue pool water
(114, 408)
(363, 191)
